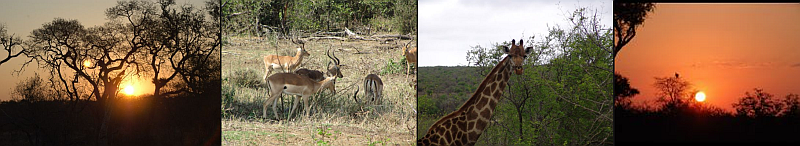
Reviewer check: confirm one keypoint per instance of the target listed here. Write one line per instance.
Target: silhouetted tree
(759, 104)
(9, 42)
(623, 90)
(672, 92)
(64, 45)
(791, 106)
(628, 16)
(31, 89)
(110, 48)
(173, 39)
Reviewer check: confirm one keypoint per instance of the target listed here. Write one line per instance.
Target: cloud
(732, 64)
(447, 28)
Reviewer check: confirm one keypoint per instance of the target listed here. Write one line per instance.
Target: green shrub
(406, 16)
(392, 67)
(246, 78)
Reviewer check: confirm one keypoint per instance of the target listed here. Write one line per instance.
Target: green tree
(562, 96)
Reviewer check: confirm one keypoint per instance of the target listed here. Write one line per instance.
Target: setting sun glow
(128, 90)
(700, 96)
(87, 63)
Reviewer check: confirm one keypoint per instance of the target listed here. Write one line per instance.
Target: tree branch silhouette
(9, 42)
(628, 16)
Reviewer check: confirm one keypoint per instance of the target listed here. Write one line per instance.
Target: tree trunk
(102, 136)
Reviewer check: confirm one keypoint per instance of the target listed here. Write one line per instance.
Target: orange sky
(724, 50)
(23, 16)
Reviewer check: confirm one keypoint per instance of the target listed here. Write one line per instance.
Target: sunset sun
(87, 63)
(700, 96)
(128, 90)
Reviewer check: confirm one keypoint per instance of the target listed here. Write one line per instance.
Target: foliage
(406, 16)
(325, 133)
(393, 67)
(791, 106)
(141, 39)
(32, 89)
(628, 16)
(255, 17)
(759, 104)
(246, 78)
(623, 90)
(672, 92)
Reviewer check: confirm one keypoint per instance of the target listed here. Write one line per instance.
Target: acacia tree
(672, 91)
(101, 56)
(66, 45)
(177, 41)
(757, 105)
(628, 16)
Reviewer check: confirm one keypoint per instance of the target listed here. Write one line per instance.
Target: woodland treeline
(257, 17)
(676, 117)
(562, 98)
(78, 101)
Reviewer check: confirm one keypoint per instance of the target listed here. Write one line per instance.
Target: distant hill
(443, 89)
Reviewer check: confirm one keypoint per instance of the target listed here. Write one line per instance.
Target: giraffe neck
(489, 92)
(465, 125)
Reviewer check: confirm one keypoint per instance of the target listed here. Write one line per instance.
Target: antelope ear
(505, 49)
(528, 50)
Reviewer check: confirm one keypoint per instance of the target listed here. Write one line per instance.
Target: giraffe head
(518, 53)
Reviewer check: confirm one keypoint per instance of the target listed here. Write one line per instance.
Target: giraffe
(465, 125)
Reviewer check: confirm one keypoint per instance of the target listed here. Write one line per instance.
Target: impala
(374, 88)
(319, 76)
(284, 63)
(411, 57)
(294, 84)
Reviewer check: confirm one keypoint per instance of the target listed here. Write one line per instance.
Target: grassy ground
(336, 119)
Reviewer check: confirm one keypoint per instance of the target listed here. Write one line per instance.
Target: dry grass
(336, 119)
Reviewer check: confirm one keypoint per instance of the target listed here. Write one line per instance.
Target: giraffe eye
(524, 56)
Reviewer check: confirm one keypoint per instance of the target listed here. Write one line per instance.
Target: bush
(393, 67)
(247, 16)
(246, 78)
(406, 18)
